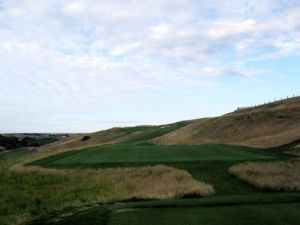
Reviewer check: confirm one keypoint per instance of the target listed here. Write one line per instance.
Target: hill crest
(265, 126)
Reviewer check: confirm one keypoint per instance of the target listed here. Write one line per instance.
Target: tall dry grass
(26, 191)
(275, 176)
(30, 191)
(159, 182)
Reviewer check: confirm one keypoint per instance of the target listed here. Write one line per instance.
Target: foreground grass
(276, 176)
(90, 177)
(261, 209)
(30, 191)
(224, 215)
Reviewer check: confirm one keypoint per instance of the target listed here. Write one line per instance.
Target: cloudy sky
(87, 65)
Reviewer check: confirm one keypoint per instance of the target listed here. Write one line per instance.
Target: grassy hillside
(132, 135)
(267, 126)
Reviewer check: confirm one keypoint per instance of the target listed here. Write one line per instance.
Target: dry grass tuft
(275, 176)
(45, 190)
(159, 182)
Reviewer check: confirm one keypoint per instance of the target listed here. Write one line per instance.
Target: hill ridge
(266, 126)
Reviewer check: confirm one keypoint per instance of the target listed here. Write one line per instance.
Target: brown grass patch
(275, 176)
(31, 191)
(159, 182)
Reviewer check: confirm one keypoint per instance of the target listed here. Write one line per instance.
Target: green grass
(23, 195)
(13, 154)
(258, 209)
(223, 215)
(151, 132)
(209, 163)
(114, 154)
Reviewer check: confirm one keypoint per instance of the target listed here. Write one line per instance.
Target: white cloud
(74, 8)
(223, 71)
(226, 30)
(90, 51)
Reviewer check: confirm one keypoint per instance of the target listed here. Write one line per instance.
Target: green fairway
(234, 202)
(153, 154)
(274, 214)
(258, 209)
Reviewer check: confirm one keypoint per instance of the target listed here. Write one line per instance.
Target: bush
(85, 138)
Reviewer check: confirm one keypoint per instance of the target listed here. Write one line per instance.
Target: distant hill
(266, 126)
(137, 135)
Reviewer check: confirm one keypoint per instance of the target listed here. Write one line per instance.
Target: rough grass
(29, 191)
(275, 176)
(264, 127)
(157, 182)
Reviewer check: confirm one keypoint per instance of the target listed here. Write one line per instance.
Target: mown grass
(185, 211)
(33, 191)
(276, 176)
(223, 215)
(151, 154)
(211, 167)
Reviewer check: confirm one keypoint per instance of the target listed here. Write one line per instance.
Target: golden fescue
(275, 176)
(45, 189)
(157, 182)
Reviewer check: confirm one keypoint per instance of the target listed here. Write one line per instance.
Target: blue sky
(84, 65)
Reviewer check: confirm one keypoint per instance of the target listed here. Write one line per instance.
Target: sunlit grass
(31, 191)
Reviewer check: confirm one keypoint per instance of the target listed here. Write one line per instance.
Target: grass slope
(267, 126)
(263, 127)
(132, 135)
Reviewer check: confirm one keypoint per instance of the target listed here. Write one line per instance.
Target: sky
(89, 65)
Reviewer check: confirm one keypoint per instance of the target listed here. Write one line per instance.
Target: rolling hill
(266, 126)
(270, 125)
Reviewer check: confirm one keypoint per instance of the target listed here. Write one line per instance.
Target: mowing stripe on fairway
(155, 154)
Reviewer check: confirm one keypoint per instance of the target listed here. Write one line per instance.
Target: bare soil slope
(267, 126)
